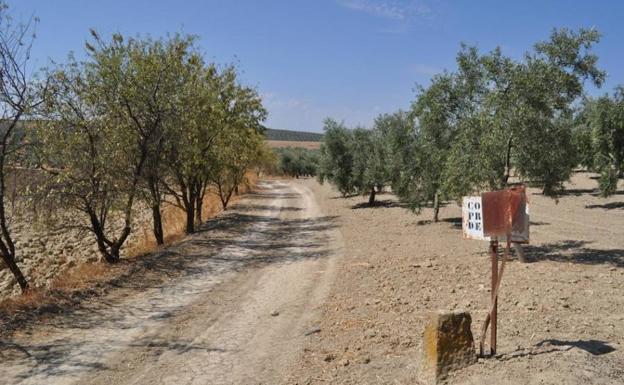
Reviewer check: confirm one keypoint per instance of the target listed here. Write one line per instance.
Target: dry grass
(83, 276)
(80, 281)
(174, 219)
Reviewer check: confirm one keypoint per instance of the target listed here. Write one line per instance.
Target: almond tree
(195, 131)
(79, 147)
(239, 144)
(18, 97)
(211, 143)
(104, 131)
(235, 154)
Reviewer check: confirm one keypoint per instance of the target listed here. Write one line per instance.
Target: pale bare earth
(561, 316)
(239, 314)
(300, 286)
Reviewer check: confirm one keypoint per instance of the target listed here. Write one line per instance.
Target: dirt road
(239, 313)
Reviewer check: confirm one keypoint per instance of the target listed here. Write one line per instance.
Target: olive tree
(523, 117)
(336, 160)
(603, 120)
(297, 162)
(399, 132)
(370, 167)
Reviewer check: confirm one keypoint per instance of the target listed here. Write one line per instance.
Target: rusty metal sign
(496, 214)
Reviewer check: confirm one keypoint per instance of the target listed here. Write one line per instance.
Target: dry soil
(561, 316)
(300, 286)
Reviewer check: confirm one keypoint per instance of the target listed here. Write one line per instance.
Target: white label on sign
(472, 218)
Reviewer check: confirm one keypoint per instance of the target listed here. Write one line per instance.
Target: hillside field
(295, 144)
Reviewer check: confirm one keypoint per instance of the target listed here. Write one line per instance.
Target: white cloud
(389, 9)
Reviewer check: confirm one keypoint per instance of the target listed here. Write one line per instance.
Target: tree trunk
(199, 204)
(190, 217)
(110, 255)
(436, 207)
(371, 197)
(114, 254)
(226, 200)
(225, 195)
(157, 223)
(507, 163)
(17, 273)
(156, 214)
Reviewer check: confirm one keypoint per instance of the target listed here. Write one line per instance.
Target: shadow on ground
(607, 206)
(573, 251)
(594, 347)
(250, 236)
(386, 203)
(455, 222)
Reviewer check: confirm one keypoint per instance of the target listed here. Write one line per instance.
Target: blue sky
(346, 59)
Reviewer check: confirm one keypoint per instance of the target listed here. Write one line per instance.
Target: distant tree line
(598, 136)
(297, 162)
(139, 120)
(492, 122)
(292, 136)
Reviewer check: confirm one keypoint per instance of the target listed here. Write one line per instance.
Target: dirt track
(239, 314)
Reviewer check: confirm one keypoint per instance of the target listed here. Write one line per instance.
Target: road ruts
(253, 280)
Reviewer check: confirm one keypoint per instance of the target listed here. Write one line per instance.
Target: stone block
(448, 345)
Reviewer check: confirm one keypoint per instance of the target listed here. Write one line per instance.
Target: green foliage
(267, 160)
(602, 120)
(296, 162)
(582, 139)
(495, 117)
(336, 164)
(399, 134)
(355, 161)
(144, 118)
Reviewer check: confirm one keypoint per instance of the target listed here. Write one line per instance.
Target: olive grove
(493, 121)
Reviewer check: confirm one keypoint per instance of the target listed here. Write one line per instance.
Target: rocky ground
(47, 248)
(51, 244)
(561, 316)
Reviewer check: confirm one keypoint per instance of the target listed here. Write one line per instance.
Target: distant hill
(292, 136)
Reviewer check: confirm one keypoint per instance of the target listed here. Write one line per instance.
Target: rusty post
(493, 316)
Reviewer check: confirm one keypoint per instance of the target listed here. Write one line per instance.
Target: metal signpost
(496, 216)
